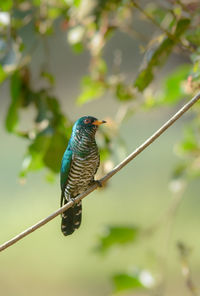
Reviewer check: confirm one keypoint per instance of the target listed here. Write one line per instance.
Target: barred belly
(81, 174)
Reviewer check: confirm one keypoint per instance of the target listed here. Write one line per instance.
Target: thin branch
(150, 140)
(169, 35)
(151, 19)
(184, 252)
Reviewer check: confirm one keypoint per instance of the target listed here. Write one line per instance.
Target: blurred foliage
(158, 53)
(51, 128)
(126, 281)
(132, 280)
(114, 235)
(89, 25)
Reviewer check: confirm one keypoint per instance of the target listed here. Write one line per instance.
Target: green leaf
(181, 27)
(158, 13)
(77, 47)
(16, 84)
(34, 157)
(15, 90)
(91, 89)
(12, 117)
(54, 12)
(6, 5)
(104, 153)
(193, 36)
(77, 3)
(56, 148)
(3, 74)
(123, 93)
(173, 88)
(100, 67)
(158, 54)
(48, 76)
(124, 281)
(179, 170)
(153, 58)
(117, 236)
(50, 177)
(189, 143)
(37, 2)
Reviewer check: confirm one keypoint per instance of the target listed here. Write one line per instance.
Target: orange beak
(99, 122)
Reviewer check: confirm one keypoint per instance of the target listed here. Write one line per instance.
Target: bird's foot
(71, 199)
(99, 183)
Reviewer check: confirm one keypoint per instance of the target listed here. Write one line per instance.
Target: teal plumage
(79, 165)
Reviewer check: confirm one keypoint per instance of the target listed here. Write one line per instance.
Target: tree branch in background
(153, 21)
(150, 140)
(184, 252)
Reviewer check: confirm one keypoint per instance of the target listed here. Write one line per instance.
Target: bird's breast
(81, 173)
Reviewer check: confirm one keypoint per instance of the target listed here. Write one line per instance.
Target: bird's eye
(87, 121)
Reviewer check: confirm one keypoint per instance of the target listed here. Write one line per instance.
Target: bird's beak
(98, 122)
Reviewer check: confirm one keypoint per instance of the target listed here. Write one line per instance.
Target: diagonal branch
(137, 151)
(170, 36)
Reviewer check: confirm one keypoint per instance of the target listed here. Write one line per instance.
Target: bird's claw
(71, 199)
(99, 183)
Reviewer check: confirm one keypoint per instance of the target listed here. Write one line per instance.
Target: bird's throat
(83, 144)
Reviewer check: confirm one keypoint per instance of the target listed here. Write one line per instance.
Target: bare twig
(184, 252)
(150, 140)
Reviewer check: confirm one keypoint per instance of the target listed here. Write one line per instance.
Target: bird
(79, 165)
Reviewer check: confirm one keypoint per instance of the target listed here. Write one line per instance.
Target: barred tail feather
(71, 219)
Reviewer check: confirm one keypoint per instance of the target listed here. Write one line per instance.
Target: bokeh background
(45, 262)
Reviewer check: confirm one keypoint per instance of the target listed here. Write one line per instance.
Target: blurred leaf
(158, 54)
(6, 5)
(16, 84)
(104, 153)
(156, 12)
(99, 68)
(179, 170)
(12, 117)
(124, 281)
(123, 92)
(154, 57)
(50, 177)
(3, 74)
(37, 2)
(54, 12)
(78, 47)
(48, 76)
(91, 89)
(189, 142)
(56, 148)
(133, 280)
(77, 3)
(41, 107)
(173, 87)
(34, 156)
(193, 36)
(181, 27)
(117, 236)
(15, 90)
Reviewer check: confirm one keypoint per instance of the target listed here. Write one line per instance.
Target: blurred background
(61, 60)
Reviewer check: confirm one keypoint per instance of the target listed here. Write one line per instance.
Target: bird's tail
(71, 218)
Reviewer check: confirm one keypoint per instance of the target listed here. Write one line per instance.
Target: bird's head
(87, 125)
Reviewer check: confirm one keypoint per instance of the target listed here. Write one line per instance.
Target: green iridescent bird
(79, 165)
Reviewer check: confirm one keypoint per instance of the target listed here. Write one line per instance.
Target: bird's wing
(65, 168)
